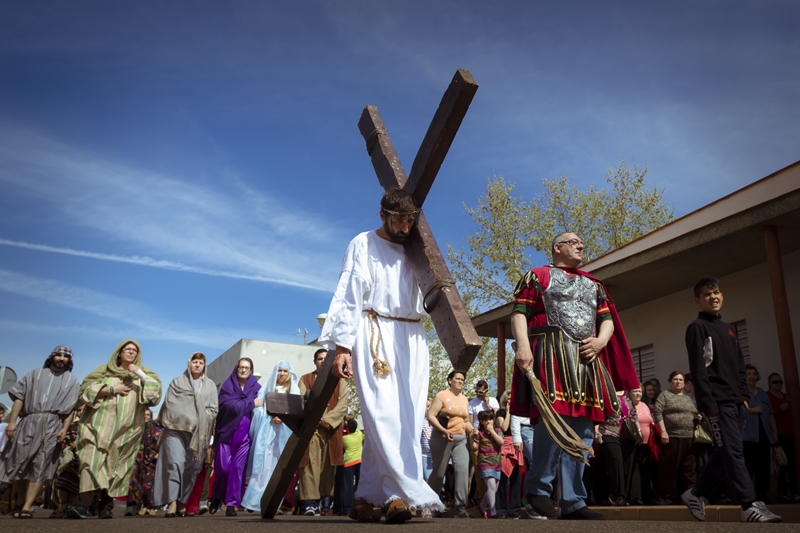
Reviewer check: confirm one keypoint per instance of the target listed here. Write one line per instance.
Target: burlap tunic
(47, 398)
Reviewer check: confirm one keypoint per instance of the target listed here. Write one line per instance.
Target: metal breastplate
(571, 304)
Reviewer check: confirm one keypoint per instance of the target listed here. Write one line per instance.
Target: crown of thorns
(414, 212)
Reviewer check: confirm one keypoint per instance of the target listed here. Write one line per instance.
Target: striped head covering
(60, 349)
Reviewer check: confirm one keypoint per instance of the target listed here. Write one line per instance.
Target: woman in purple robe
(237, 399)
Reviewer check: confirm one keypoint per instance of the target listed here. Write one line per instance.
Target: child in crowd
(489, 441)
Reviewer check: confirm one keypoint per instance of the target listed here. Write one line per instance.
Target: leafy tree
(511, 229)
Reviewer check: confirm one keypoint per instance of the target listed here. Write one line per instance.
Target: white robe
(377, 275)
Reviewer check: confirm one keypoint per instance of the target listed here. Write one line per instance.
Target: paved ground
(251, 523)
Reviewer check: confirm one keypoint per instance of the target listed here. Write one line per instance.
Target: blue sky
(190, 173)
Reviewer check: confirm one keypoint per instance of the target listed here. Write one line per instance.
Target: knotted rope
(380, 366)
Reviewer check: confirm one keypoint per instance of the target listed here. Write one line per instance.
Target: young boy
(717, 367)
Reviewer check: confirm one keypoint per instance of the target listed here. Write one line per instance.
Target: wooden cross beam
(449, 315)
(450, 318)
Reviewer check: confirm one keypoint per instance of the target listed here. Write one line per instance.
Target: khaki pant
(317, 479)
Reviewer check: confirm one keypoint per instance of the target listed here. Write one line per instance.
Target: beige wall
(748, 296)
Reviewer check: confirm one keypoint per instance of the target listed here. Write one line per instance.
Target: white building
(265, 356)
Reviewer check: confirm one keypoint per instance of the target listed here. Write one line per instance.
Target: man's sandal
(398, 512)
(363, 511)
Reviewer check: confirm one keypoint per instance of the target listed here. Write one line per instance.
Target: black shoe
(76, 511)
(542, 506)
(105, 512)
(214, 505)
(582, 513)
(620, 501)
(230, 511)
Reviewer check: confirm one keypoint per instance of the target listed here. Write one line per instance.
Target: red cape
(616, 357)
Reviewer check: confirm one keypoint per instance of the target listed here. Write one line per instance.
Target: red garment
(511, 457)
(783, 419)
(616, 356)
(193, 503)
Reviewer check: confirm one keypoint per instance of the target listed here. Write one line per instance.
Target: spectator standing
(675, 414)
(116, 396)
(425, 444)
(268, 435)
(643, 471)
(787, 492)
(618, 447)
(449, 417)
(187, 417)
(325, 449)
(140, 490)
(43, 402)
(509, 488)
(649, 398)
(717, 365)
(353, 443)
(760, 434)
(237, 399)
(489, 441)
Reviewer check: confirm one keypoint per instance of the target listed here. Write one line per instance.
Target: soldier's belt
(556, 354)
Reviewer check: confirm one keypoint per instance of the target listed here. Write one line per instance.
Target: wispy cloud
(149, 262)
(137, 319)
(221, 227)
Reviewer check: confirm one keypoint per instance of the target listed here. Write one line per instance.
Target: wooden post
(501, 358)
(784, 326)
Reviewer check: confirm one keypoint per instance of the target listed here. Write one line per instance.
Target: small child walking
(489, 441)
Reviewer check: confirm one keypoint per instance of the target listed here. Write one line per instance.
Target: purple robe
(232, 438)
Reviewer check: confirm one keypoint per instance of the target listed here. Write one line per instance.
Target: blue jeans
(551, 461)
(526, 432)
(427, 466)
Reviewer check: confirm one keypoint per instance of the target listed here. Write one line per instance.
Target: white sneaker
(696, 505)
(758, 512)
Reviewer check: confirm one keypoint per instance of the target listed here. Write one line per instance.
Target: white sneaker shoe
(758, 512)
(696, 505)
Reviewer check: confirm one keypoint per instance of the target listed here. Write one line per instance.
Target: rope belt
(381, 367)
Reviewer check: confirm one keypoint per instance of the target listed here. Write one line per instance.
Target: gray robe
(47, 398)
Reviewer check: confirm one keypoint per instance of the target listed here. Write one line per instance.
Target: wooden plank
(288, 407)
(298, 442)
(448, 312)
(440, 134)
(450, 317)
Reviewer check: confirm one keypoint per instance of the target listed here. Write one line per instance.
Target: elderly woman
(759, 434)
(237, 399)
(187, 416)
(449, 417)
(116, 396)
(675, 414)
(268, 435)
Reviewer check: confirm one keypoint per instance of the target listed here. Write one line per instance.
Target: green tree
(509, 229)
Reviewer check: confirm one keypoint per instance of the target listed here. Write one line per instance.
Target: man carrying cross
(374, 328)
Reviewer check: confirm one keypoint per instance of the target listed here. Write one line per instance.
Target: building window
(644, 359)
(744, 343)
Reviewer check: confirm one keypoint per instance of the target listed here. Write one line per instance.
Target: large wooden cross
(450, 318)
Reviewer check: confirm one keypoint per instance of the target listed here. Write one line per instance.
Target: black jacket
(716, 363)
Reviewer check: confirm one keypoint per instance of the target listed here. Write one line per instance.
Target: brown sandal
(363, 511)
(398, 512)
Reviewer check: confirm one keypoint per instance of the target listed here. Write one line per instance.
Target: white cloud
(137, 320)
(227, 229)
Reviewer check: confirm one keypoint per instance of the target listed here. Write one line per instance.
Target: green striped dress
(109, 434)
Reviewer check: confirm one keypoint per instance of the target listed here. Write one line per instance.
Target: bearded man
(44, 399)
(373, 327)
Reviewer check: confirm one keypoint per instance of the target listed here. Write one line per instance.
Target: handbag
(780, 456)
(702, 432)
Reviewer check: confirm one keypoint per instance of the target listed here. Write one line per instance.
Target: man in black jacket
(717, 367)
